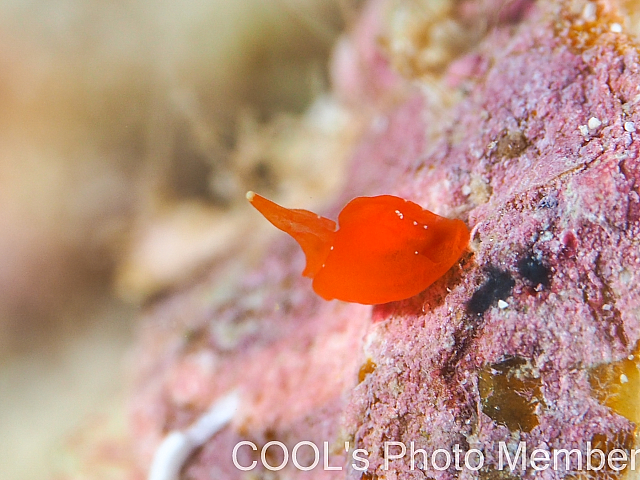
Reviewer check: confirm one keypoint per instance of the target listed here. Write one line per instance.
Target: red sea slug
(386, 248)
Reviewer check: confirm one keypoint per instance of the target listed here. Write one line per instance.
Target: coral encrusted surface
(524, 339)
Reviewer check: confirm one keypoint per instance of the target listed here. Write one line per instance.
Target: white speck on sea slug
(502, 304)
(629, 127)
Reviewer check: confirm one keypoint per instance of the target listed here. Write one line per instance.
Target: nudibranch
(385, 249)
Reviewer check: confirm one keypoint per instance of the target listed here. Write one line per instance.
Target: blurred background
(129, 133)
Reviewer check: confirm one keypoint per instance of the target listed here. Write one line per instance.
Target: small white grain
(589, 12)
(594, 123)
(546, 236)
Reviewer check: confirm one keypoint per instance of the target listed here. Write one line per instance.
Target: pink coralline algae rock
(503, 347)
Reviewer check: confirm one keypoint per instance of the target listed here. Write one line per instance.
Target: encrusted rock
(520, 341)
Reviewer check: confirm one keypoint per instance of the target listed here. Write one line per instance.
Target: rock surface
(510, 344)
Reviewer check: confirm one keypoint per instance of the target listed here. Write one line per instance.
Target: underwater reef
(527, 133)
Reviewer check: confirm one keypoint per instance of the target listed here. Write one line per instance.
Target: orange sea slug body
(386, 248)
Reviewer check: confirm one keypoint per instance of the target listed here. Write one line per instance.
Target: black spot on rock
(497, 287)
(534, 271)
